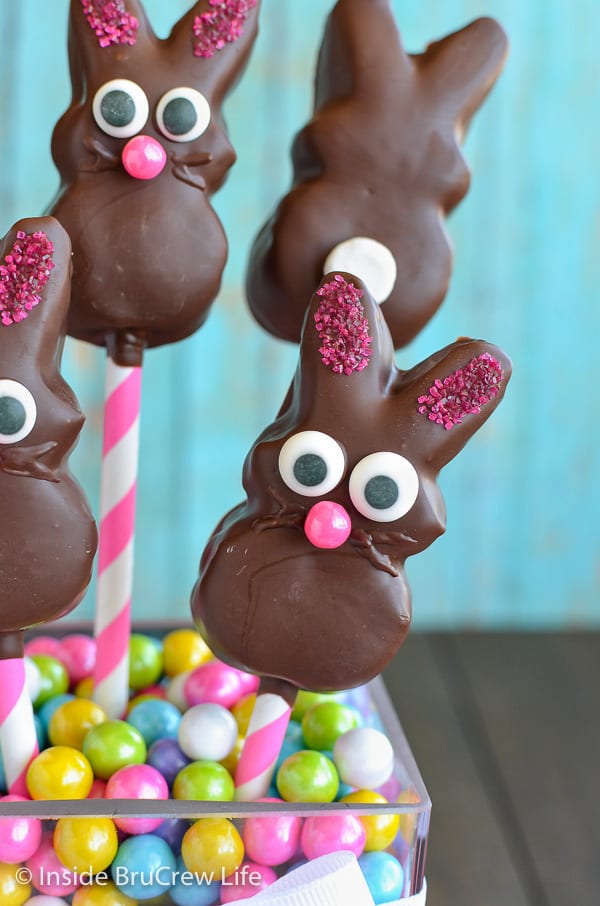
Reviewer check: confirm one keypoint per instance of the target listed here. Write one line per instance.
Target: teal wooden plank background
(522, 546)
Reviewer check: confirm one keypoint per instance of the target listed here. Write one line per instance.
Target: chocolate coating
(47, 533)
(381, 159)
(148, 254)
(267, 599)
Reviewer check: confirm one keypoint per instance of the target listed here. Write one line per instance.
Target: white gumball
(364, 758)
(207, 732)
(42, 899)
(368, 259)
(176, 690)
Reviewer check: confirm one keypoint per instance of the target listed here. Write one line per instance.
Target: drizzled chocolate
(305, 580)
(148, 248)
(47, 533)
(379, 163)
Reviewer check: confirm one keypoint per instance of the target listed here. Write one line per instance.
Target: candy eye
(17, 412)
(120, 108)
(311, 463)
(183, 114)
(383, 486)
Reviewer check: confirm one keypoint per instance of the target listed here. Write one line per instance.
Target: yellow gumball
(184, 649)
(381, 830)
(212, 845)
(408, 821)
(231, 761)
(85, 687)
(14, 890)
(60, 772)
(72, 720)
(85, 844)
(242, 711)
(105, 894)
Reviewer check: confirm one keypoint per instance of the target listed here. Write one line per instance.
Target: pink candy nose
(143, 157)
(327, 524)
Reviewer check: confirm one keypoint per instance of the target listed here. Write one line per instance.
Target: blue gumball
(191, 890)
(46, 711)
(155, 719)
(172, 831)
(384, 875)
(144, 867)
(2, 776)
(293, 742)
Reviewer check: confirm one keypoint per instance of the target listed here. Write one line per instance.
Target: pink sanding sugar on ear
(110, 21)
(462, 393)
(220, 25)
(25, 271)
(342, 327)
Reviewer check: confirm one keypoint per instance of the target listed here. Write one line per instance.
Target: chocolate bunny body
(47, 533)
(305, 582)
(140, 150)
(376, 170)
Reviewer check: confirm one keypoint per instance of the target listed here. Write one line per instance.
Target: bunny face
(375, 170)
(305, 581)
(47, 534)
(140, 150)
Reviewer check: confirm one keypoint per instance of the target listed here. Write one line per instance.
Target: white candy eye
(120, 108)
(311, 463)
(183, 114)
(18, 412)
(384, 486)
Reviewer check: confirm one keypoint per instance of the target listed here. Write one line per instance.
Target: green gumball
(204, 781)
(307, 776)
(145, 661)
(112, 745)
(325, 721)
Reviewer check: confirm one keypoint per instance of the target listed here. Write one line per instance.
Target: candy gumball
(364, 757)
(212, 845)
(249, 682)
(183, 650)
(145, 661)
(98, 789)
(204, 780)
(384, 876)
(172, 831)
(293, 742)
(137, 781)
(325, 722)
(53, 675)
(307, 776)
(136, 867)
(242, 711)
(176, 690)
(246, 882)
(43, 900)
(43, 644)
(155, 719)
(167, 757)
(380, 829)
(208, 731)
(231, 761)
(113, 745)
(190, 890)
(85, 844)
(72, 720)
(306, 700)
(85, 687)
(13, 892)
(19, 836)
(48, 874)
(213, 682)
(272, 839)
(60, 772)
(32, 678)
(47, 710)
(101, 894)
(78, 653)
(322, 834)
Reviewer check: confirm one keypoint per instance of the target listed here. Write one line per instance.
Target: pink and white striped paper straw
(266, 732)
(18, 740)
(118, 487)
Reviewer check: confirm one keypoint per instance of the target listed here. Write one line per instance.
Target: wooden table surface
(505, 729)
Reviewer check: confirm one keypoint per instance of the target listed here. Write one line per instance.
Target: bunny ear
(361, 50)
(220, 33)
(451, 395)
(463, 67)
(105, 24)
(346, 349)
(35, 278)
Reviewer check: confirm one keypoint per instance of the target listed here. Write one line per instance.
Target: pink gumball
(43, 644)
(97, 790)
(246, 882)
(19, 836)
(272, 839)
(213, 682)
(48, 874)
(78, 654)
(249, 682)
(324, 834)
(137, 781)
